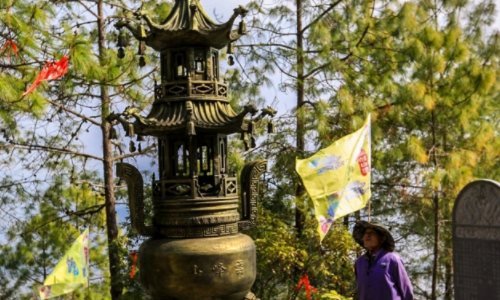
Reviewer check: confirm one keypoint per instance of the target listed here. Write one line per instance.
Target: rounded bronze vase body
(220, 268)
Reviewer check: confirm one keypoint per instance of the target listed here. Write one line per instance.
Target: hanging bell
(131, 147)
(242, 29)
(251, 127)
(142, 48)
(130, 131)
(230, 48)
(121, 40)
(270, 127)
(112, 134)
(140, 138)
(190, 130)
(230, 60)
(142, 32)
(121, 53)
(244, 136)
(142, 61)
(254, 143)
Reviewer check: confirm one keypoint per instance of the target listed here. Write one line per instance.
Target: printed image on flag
(71, 272)
(337, 178)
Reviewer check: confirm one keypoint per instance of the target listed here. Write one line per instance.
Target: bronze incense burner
(196, 250)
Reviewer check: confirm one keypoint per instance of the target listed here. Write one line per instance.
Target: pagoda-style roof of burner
(187, 25)
(194, 116)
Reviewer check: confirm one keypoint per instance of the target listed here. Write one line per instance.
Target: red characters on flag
(86, 251)
(363, 162)
(46, 289)
(305, 281)
(11, 44)
(134, 263)
(51, 71)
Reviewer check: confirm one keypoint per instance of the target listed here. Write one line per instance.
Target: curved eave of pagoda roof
(182, 14)
(162, 40)
(188, 24)
(167, 117)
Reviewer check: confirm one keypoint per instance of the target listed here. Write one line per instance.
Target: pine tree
(439, 130)
(337, 59)
(427, 77)
(50, 138)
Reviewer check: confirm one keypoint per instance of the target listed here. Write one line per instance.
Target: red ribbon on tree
(134, 263)
(51, 71)
(305, 281)
(12, 45)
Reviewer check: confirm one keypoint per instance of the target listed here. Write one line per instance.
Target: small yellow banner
(337, 178)
(71, 272)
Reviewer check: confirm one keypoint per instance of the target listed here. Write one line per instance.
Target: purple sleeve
(402, 280)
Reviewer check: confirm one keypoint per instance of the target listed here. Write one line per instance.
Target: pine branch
(285, 72)
(68, 213)
(14, 67)
(47, 149)
(332, 6)
(267, 44)
(87, 8)
(74, 113)
(275, 32)
(145, 150)
(313, 71)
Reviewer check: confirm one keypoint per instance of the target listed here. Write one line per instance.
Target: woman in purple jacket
(380, 274)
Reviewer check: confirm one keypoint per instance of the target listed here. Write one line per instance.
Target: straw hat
(362, 226)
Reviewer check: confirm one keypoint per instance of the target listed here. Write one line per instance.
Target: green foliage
(54, 146)
(426, 71)
(430, 81)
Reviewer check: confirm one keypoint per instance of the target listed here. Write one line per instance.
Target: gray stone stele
(476, 241)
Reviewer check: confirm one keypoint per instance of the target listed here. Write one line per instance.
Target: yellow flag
(71, 272)
(337, 178)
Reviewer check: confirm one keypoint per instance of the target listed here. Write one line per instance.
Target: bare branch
(135, 153)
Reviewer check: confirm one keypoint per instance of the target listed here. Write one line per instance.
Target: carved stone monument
(476, 241)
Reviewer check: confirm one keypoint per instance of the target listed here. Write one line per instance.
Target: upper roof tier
(187, 25)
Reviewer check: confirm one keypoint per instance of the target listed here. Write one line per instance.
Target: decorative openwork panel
(203, 89)
(222, 90)
(173, 188)
(179, 65)
(199, 63)
(188, 88)
(177, 158)
(476, 241)
(176, 89)
(230, 186)
(205, 153)
(206, 156)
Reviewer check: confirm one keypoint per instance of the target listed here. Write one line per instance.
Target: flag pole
(369, 208)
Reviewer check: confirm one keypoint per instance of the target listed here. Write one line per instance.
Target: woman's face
(372, 240)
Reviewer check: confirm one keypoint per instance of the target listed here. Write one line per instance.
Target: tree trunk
(300, 122)
(436, 248)
(299, 192)
(436, 216)
(109, 194)
(448, 293)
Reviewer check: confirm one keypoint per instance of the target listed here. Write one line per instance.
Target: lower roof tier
(192, 116)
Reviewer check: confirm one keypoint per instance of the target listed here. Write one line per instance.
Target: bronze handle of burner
(250, 177)
(135, 187)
